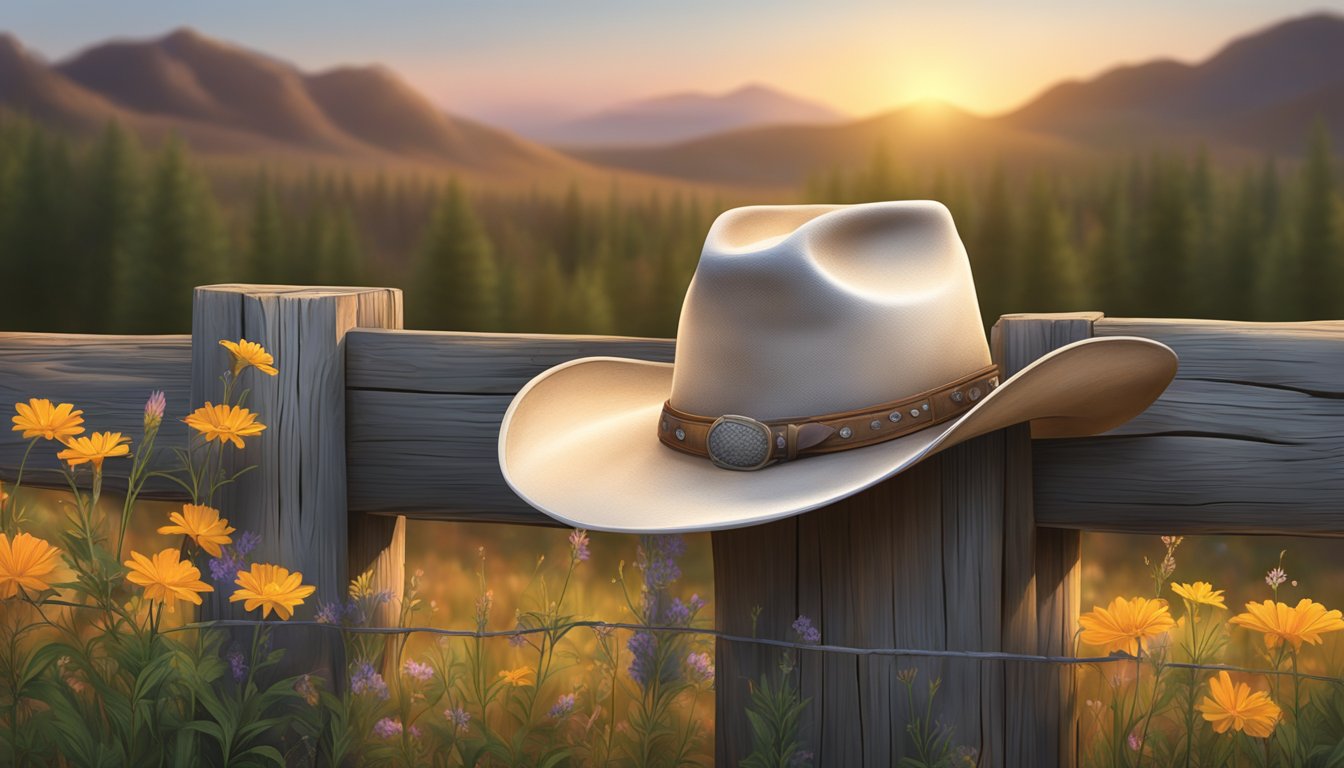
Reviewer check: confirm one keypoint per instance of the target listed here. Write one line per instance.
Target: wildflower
(271, 587)
(94, 448)
(27, 562)
(459, 717)
(249, 353)
(387, 728)
(484, 602)
(563, 706)
(1200, 593)
(657, 558)
(578, 545)
(701, 666)
(518, 639)
(247, 542)
(417, 670)
(520, 676)
(1275, 578)
(154, 408)
(1279, 622)
(643, 649)
(307, 688)
(167, 578)
(329, 613)
(225, 423)
(1125, 623)
(1134, 743)
(365, 679)
(203, 525)
(806, 632)
(237, 665)
(1237, 708)
(678, 613)
(39, 418)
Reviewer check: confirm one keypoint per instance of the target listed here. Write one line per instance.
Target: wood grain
(1248, 439)
(109, 378)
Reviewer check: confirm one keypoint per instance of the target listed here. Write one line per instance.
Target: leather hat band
(741, 442)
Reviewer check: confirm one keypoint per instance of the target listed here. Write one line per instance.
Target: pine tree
(266, 261)
(992, 250)
(1321, 294)
(36, 237)
(456, 282)
(110, 220)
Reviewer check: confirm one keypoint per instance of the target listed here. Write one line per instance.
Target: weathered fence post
(296, 497)
(944, 556)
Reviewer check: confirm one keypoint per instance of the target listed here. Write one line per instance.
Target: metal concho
(738, 442)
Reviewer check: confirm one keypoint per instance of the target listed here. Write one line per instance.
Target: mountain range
(1258, 95)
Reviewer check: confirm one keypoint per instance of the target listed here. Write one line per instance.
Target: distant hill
(225, 98)
(683, 116)
(1258, 95)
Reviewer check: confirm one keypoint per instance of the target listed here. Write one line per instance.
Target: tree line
(109, 236)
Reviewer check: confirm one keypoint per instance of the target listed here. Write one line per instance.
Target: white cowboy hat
(823, 348)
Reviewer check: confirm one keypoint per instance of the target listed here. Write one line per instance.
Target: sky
(522, 59)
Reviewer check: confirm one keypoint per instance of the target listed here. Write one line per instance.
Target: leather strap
(745, 443)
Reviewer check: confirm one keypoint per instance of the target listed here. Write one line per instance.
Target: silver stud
(846, 432)
(914, 413)
(957, 396)
(975, 394)
(894, 416)
(994, 382)
(664, 425)
(681, 433)
(876, 424)
(779, 441)
(926, 406)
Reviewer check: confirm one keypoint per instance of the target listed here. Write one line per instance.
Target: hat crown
(797, 311)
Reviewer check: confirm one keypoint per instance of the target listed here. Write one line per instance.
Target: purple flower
(643, 647)
(518, 640)
(578, 545)
(563, 707)
(154, 407)
(417, 670)
(414, 731)
(387, 728)
(247, 541)
(702, 667)
(678, 613)
(806, 632)
(329, 613)
(224, 569)
(459, 717)
(237, 665)
(657, 558)
(365, 679)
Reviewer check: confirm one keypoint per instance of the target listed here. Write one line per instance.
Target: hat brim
(579, 442)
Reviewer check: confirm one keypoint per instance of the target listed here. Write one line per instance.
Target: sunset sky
(494, 58)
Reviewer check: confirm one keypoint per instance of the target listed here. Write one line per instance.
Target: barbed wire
(847, 650)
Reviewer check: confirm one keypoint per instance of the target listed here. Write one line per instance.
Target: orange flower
(1235, 707)
(26, 562)
(270, 587)
(94, 448)
(1200, 593)
(39, 418)
(203, 524)
(225, 423)
(251, 353)
(167, 578)
(1306, 621)
(1125, 623)
(520, 676)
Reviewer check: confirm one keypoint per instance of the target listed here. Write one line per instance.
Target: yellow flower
(94, 448)
(1237, 708)
(26, 562)
(519, 676)
(251, 353)
(39, 418)
(1200, 593)
(1306, 621)
(203, 524)
(225, 422)
(167, 578)
(1125, 623)
(271, 587)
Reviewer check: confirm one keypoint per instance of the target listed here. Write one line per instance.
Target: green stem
(12, 503)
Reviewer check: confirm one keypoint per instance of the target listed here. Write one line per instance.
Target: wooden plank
(296, 497)
(1246, 440)
(109, 377)
(476, 363)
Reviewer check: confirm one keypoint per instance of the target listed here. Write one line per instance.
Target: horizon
(514, 93)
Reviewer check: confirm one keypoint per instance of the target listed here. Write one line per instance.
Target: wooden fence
(975, 549)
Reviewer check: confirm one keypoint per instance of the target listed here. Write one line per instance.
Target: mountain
(228, 99)
(683, 116)
(1259, 94)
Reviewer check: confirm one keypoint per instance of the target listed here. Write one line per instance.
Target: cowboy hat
(821, 350)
